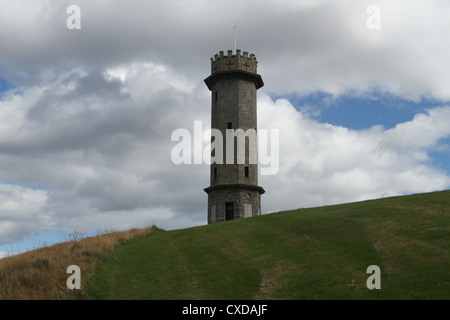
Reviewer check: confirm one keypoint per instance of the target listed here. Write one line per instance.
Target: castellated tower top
(243, 66)
(222, 62)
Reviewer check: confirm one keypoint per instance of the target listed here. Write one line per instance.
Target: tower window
(246, 172)
(215, 173)
(229, 125)
(213, 151)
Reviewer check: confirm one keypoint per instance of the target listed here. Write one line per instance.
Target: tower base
(233, 201)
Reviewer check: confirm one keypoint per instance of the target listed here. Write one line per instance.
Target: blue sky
(5, 85)
(34, 241)
(356, 112)
(86, 115)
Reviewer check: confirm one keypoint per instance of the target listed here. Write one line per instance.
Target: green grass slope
(314, 253)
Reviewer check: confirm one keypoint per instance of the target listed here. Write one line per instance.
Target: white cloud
(423, 131)
(301, 46)
(22, 211)
(92, 115)
(101, 149)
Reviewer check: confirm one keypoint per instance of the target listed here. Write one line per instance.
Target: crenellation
(239, 61)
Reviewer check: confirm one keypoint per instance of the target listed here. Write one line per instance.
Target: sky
(360, 96)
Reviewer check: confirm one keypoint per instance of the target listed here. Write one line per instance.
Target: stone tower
(234, 192)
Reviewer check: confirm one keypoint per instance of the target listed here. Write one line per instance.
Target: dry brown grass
(41, 274)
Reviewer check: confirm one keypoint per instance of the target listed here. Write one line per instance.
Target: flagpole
(235, 37)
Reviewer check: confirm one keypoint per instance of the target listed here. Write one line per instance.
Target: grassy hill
(314, 253)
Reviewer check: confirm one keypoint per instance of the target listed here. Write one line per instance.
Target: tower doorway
(229, 211)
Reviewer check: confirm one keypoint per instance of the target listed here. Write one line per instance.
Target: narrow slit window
(213, 151)
(216, 96)
(229, 125)
(215, 173)
(246, 172)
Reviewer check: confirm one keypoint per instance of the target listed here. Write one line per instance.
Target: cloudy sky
(86, 116)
